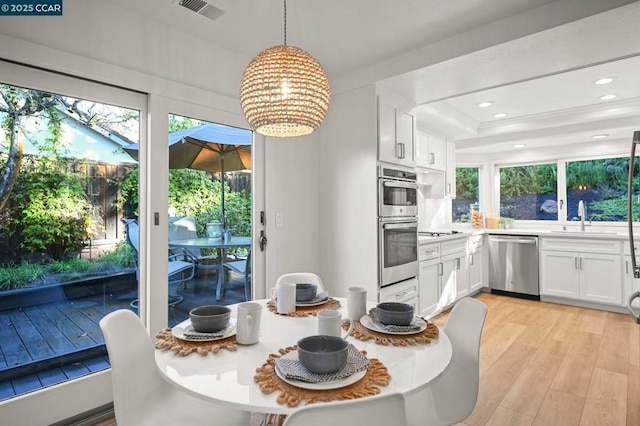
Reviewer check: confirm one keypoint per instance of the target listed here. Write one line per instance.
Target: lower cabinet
(631, 284)
(405, 292)
(583, 275)
(444, 275)
(429, 286)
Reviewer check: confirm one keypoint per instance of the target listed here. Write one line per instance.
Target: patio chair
(242, 267)
(141, 397)
(185, 227)
(181, 266)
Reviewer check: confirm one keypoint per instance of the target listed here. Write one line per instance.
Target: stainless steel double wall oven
(397, 225)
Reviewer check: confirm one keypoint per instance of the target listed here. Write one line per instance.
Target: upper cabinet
(435, 153)
(431, 151)
(396, 132)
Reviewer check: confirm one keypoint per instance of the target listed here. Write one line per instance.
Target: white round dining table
(227, 377)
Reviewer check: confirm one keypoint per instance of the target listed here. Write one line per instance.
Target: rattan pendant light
(284, 92)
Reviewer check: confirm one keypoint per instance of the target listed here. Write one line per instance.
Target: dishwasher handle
(513, 240)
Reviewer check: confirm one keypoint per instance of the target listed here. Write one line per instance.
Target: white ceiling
(351, 35)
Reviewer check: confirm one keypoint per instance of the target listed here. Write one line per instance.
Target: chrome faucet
(582, 212)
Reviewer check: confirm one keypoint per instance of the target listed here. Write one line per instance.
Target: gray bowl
(210, 318)
(305, 292)
(395, 313)
(322, 354)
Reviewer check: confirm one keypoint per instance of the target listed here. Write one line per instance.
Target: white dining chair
(385, 410)
(301, 277)
(452, 397)
(141, 396)
(242, 267)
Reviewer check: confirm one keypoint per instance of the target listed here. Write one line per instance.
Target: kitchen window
(602, 185)
(529, 192)
(541, 191)
(467, 193)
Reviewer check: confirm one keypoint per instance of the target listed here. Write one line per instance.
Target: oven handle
(400, 225)
(399, 184)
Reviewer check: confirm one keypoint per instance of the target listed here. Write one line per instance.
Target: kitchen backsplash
(434, 214)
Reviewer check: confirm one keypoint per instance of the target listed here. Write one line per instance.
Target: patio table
(227, 377)
(218, 244)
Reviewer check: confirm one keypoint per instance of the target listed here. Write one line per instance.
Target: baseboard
(89, 418)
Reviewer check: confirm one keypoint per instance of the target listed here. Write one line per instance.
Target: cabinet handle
(580, 263)
(471, 259)
(398, 150)
(440, 269)
(432, 158)
(449, 188)
(457, 266)
(402, 144)
(575, 261)
(626, 266)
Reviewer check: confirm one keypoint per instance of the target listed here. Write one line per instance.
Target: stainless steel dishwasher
(513, 265)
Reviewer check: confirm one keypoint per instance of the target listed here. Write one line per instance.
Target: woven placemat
(361, 332)
(376, 376)
(184, 347)
(303, 311)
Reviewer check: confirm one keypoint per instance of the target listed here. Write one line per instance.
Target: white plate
(369, 323)
(325, 299)
(335, 384)
(179, 332)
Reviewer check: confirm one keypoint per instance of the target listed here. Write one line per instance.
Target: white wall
(292, 192)
(348, 192)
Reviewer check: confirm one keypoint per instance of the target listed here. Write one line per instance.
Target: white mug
(248, 326)
(330, 324)
(356, 303)
(284, 295)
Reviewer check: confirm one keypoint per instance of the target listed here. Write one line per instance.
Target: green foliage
(28, 274)
(534, 179)
(612, 210)
(48, 210)
(13, 277)
(610, 173)
(467, 183)
(194, 193)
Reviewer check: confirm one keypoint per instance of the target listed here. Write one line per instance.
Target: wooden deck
(50, 343)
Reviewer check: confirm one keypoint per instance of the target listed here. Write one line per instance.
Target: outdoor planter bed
(119, 282)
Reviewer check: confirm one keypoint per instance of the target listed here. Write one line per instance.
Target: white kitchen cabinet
(588, 270)
(431, 151)
(405, 292)
(476, 281)
(558, 276)
(450, 170)
(429, 286)
(631, 284)
(454, 281)
(396, 133)
(444, 275)
(600, 278)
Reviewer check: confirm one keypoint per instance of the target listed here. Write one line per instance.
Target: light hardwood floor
(546, 364)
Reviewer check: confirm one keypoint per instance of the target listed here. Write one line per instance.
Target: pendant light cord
(285, 22)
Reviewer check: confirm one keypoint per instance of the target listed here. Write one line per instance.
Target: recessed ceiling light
(519, 145)
(602, 136)
(485, 104)
(605, 80)
(500, 115)
(607, 97)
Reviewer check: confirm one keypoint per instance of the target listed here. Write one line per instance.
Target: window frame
(561, 164)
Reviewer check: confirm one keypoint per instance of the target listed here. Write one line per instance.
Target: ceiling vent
(202, 8)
